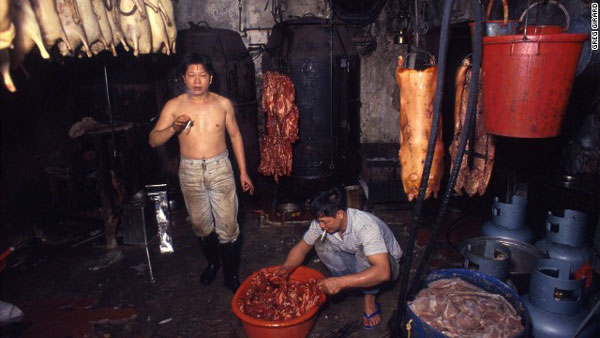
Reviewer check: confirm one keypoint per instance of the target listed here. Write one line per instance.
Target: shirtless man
(200, 119)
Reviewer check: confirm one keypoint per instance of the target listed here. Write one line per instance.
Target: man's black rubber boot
(231, 261)
(210, 246)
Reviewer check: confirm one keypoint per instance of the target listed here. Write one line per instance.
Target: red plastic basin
(295, 328)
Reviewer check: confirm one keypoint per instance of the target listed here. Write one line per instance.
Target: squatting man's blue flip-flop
(375, 313)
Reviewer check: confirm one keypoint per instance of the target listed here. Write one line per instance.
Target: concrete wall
(379, 93)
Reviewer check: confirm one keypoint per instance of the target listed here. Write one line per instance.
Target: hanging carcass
(478, 160)
(417, 89)
(135, 25)
(72, 25)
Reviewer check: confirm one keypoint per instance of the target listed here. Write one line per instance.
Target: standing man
(358, 248)
(200, 118)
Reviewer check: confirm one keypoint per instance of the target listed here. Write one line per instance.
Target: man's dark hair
(328, 203)
(196, 59)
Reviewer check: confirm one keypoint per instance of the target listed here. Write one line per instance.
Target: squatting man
(358, 248)
(200, 119)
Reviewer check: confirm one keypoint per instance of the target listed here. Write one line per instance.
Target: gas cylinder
(491, 258)
(555, 301)
(566, 238)
(508, 220)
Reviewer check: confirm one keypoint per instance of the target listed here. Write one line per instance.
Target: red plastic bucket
(527, 82)
(544, 29)
(296, 328)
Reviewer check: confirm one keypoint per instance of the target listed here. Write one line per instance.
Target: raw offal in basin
(273, 298)
(460, 309)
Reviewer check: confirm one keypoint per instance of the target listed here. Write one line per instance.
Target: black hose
(472, 103)
(437, 102)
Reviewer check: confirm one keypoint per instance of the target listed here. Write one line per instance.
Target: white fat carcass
(160, 40)
(114, 20)
(71, 23)
(27, 32)
(7, 34)
(50, 26)
(135, 26)
(7, 28)
(169, 18)
(89, 19)
(5, 70)
(104, 24)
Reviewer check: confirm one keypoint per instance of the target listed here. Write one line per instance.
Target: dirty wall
(379, 111)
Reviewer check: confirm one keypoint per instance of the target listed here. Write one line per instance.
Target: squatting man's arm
(378, 273)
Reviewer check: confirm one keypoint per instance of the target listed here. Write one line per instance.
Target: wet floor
(89, 290)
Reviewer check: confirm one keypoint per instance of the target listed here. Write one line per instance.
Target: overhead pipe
(437, 101)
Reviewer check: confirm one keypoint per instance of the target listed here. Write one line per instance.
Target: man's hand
(283, 271)
(331, 285)
(246, 183)
(181, 123)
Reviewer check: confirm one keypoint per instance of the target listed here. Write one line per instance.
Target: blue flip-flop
(375, 313)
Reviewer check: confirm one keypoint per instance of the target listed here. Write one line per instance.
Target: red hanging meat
(282, 125)
(476, 167)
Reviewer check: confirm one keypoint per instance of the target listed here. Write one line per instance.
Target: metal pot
(288, 210)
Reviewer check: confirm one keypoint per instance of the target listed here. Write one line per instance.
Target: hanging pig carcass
(50, 25)
(135, 25)
(72, 25)
(104, 24)
(156, 15)
(478, 160)
(89, 21)
(114, 20)
(417, 89)
(27, 32)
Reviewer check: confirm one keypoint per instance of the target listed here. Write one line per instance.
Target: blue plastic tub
(418, 327)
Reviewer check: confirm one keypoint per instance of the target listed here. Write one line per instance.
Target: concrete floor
(176, 304)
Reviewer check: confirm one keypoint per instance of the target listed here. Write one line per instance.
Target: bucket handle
(431, 57)
(488, 10)
(552, 2)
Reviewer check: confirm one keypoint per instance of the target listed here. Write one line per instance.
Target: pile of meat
(273, 298)
(459, 309)
(82, 28)
(282, 125)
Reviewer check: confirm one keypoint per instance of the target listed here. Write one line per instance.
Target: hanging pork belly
(417, 89)
(282, 125)
(478, 160)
